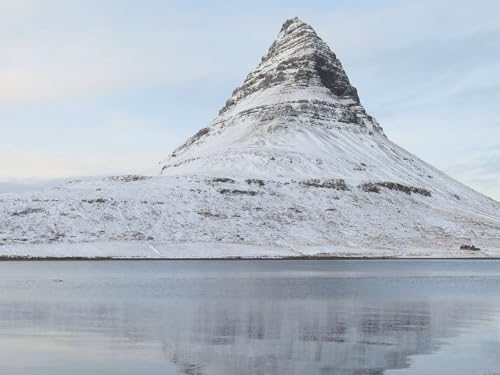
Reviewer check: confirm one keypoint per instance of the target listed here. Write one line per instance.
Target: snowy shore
(147, 250)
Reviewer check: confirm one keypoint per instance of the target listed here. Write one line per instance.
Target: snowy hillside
(212, 217)
(293, 165)
(297, 116)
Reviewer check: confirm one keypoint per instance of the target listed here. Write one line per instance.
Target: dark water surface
(250, 317)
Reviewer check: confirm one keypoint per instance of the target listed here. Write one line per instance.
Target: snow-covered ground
(204, 217)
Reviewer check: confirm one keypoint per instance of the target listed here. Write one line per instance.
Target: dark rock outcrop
(469, 247)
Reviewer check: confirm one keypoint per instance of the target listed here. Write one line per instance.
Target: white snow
(195, 216)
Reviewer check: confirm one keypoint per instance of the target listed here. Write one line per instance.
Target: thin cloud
(18, 163)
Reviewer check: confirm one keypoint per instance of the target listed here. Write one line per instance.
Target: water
(250, 317)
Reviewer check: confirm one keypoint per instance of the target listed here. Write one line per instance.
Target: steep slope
(297, 116)
(284, 119)
(293, 165)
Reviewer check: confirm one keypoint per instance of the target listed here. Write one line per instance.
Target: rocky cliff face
(296, 62)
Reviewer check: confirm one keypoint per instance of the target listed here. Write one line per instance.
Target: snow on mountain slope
(297, 116)
(188, 216)
(293, 165)
(285, 119)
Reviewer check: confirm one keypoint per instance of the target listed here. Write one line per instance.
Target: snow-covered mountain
(293, 165)
(296, 115)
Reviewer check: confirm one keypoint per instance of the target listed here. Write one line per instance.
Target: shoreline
(142, 250)
(297, 258)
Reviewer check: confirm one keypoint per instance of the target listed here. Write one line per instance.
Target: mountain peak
(290, 21)
(297, 60)
(292, 25)
(299, 86)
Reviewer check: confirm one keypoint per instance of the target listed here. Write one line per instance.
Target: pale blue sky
(112, 86)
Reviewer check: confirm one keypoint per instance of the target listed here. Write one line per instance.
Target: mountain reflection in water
(254, 317)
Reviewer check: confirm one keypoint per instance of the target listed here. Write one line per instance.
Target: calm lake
(394, 317)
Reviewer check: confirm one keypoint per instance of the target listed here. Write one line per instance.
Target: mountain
(296, 115)
(293, 165)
